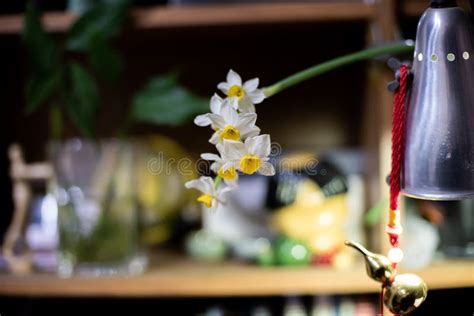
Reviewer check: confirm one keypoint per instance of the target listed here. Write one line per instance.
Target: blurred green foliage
(57, 78)
(164, 101)
(81, 97)
(63, 81)
(374, 214)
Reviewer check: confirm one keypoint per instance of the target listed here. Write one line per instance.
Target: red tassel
(398, 136)
(398, 144)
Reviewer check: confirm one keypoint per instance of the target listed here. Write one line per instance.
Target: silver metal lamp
(439, 153)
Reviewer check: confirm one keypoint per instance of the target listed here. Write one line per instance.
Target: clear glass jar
(95, 185)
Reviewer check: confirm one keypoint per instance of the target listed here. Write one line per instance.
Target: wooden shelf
(213, 15)
(180, 277)
(415, 8)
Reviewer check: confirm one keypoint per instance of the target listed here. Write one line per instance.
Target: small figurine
(13, 250)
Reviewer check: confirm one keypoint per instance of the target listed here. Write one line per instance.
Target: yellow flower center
(250, 163)
(230, 132)
(236, 91)
(230, 174)
(205, 199)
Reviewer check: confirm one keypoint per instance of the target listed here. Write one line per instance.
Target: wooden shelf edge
(183, 278)
(416, 8)
(236, 14)
(52, 21)
(211, 15)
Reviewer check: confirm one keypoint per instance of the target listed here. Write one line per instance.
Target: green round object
(266, 257)
(291, 252)
(206, 246)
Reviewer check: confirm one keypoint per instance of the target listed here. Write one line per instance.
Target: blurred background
(98, 102)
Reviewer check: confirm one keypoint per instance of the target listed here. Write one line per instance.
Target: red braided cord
(398, 133)
(398, 142)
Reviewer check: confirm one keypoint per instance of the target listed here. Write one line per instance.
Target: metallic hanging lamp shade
(439, 153)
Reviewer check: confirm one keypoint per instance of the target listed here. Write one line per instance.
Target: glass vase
(96, 187)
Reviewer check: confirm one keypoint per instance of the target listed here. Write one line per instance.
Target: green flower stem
(217, 181)
(390, 49)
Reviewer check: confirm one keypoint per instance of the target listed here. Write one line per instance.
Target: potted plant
(99, 183)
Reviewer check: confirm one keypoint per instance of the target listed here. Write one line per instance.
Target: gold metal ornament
(405, 293)
(402, 292)
(379, 268)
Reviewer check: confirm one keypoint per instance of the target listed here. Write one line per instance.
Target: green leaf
(163, 101)
(81, 98)
(42, 51)
(44, 60)
(40, 89)
(106, 61)
(102, 21)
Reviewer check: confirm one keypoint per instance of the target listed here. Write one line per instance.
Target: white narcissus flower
(249, 157)
(247, 94)
(230, 175)
(210, 197)
(216, 106)
(232, 125)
